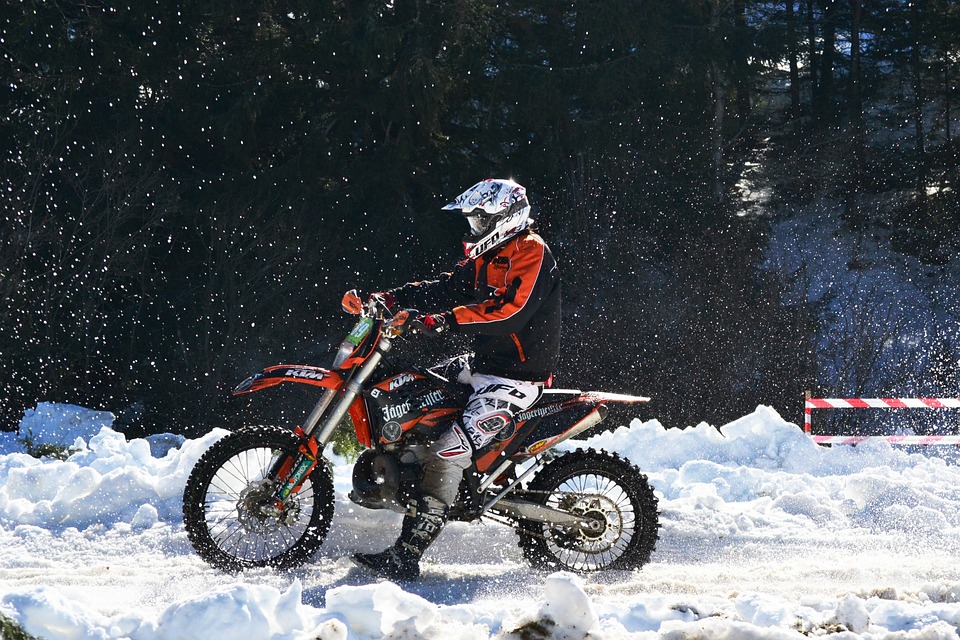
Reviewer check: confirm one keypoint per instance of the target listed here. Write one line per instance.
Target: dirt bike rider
(506, 294)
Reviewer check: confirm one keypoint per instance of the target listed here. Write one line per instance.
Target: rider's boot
(402, 561)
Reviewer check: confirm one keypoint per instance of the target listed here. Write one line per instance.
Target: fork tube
(314, 418)
(350, 392)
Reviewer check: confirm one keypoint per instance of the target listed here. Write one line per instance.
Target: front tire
(605, 488)
(224, 493)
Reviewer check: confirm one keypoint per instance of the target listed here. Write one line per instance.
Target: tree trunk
(792, 56)
(855, 99)
(812, 47)
(946, 96)
(716, 134)
(856, 96)
(824, 102)
(717, 81)
(918, 100)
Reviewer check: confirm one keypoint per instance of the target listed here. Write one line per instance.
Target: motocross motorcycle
(264, 495)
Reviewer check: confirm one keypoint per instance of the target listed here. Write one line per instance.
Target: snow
(765, 535)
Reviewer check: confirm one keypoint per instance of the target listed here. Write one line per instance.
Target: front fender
(299, 373)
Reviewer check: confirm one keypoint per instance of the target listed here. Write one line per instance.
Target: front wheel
(228, 512)
(614, 499)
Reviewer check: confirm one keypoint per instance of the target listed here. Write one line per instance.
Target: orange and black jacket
(507, 298)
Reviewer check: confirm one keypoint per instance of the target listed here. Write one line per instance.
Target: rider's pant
(488, 411)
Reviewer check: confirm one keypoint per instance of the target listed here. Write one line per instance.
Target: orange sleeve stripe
(516, 341)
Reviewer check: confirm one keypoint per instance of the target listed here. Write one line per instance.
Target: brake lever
(401, 322)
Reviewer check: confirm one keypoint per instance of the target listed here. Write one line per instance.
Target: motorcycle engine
(388, 480)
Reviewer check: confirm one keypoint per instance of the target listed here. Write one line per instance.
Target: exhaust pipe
(592, 419)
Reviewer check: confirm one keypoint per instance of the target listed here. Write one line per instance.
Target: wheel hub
(600, 516)
(255, 509)
(594, 526)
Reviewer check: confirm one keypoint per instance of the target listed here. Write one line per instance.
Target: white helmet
(496, 210)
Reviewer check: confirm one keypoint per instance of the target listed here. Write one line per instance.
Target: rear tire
(600, 485)
(224, 490)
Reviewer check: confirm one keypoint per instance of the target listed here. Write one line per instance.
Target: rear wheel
(228, 511)
(611, 495)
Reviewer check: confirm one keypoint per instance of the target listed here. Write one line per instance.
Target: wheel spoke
(229, 509)
(604, 491)
(241, 534)
(596, 496)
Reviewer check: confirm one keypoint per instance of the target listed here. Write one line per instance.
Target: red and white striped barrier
(877, 403)
(890, 439)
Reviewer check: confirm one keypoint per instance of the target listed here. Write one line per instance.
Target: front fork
(289, 472)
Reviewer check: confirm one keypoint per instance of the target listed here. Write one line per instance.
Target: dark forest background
(188, 186)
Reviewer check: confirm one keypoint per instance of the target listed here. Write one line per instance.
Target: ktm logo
(305, 373)
(400, 380)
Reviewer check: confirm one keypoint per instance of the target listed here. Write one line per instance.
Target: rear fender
(602, 397)
(299, 373)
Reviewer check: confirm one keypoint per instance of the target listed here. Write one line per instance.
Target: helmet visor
(478, 224)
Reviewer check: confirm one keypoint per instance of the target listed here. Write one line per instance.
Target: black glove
(433, 324)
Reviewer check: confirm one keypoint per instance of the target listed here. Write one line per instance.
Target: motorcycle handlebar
(374, 307)
(395, 324)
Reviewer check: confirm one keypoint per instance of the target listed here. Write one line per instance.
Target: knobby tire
(602, 485)
(227, 536)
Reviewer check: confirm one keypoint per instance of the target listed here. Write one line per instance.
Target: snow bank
(62, 424)
(764, 535)
(105, 479)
